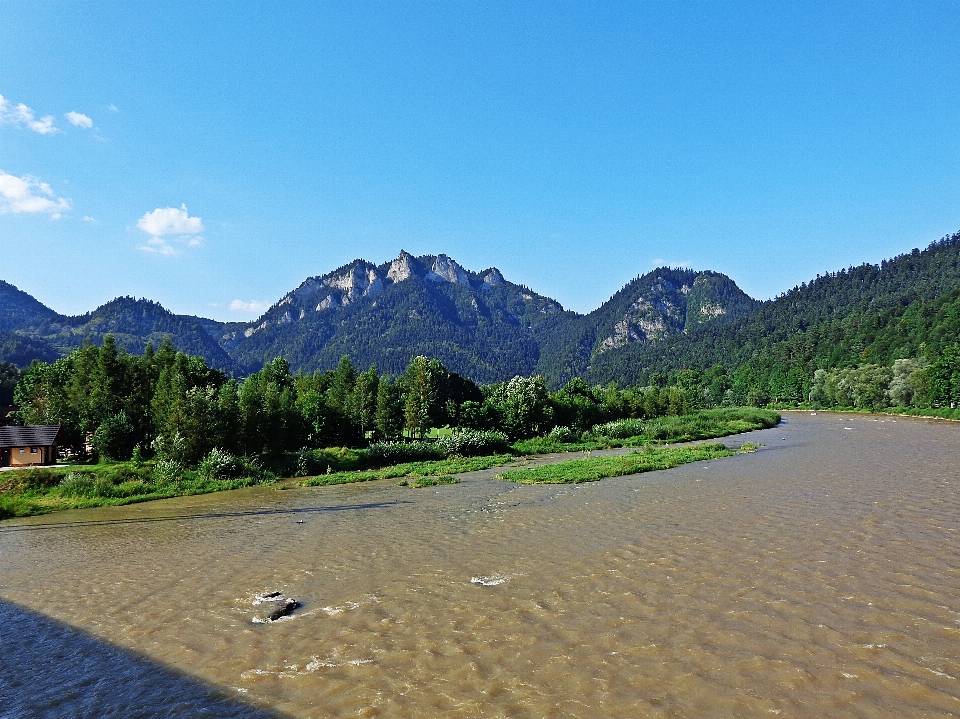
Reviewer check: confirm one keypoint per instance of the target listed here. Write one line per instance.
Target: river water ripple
(818, 577)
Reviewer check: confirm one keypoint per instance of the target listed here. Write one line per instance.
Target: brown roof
(31, 435)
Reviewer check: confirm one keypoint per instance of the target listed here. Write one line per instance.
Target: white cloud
(28, 194)
(113, 108)
(170, 221)
(87, 218)
(173, 222)
(251, 306)
(159, 246)
(22, 116)
(79, 119)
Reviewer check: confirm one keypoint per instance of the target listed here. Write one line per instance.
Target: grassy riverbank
(48, 489)
(591, 469)
(413, 471)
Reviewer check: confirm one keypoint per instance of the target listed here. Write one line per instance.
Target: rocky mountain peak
(492, 278)
(447, 270)
(401, 268)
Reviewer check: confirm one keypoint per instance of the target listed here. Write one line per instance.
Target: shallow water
(816, 577)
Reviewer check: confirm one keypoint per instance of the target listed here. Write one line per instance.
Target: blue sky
(220, 153)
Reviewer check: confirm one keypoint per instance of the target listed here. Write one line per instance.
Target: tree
(420, 396)
(525, 407)
(390, 417)
(362, 400)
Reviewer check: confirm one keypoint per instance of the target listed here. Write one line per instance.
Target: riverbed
(819, 576)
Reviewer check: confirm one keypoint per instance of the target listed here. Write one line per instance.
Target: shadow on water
(205, 515)
(49, 670)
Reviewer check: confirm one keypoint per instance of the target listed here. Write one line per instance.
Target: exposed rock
(446, 270)
(328, 302)
(492, 278)
(360, 280)
(277, 607)
(401, 268)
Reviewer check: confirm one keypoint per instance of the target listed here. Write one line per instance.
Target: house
(33, 444)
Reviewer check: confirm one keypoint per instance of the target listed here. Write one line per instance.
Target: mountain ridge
(479, 323)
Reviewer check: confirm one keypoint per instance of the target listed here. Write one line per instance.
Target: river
(819, 576)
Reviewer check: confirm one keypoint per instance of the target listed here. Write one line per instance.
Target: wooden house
(30, 445)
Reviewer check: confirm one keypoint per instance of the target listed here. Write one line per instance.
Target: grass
(704, 424)
(435, 468)
(591, 469)
(428, 481)
(48, 489)
(41, 490)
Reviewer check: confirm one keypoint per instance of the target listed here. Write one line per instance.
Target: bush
(472, 443)
(564, 435)
(220, 464)
(83, 484)
(397, 452)
(620, 429)
(167, 471)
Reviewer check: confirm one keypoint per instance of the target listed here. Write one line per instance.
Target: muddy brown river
(818, 577)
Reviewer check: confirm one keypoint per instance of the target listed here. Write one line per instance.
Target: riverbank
(50, 489)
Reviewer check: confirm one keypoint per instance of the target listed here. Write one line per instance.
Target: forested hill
(485, 327)
(840, 319)
(667, 302)
(34, 331)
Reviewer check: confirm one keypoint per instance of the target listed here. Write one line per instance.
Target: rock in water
(284, 608)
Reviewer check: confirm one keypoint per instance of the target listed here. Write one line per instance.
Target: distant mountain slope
(487, 328)
(664, 303)
(37, 332)
(478, 324)
(19, 309)
(849, 296)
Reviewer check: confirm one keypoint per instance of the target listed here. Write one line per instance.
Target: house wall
(22, 456)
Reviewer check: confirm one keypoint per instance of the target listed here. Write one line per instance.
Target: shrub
(83, 484)
(563, 434)
(220, 464)
(167, 470)
(620, 429)
(472, 443)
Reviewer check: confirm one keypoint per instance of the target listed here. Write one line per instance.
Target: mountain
(483, 326)
(840, 319)
(34, 331)
(19, 309)
(667, 302)
(478, 324)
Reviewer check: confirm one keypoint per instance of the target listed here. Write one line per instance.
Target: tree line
(112, 403)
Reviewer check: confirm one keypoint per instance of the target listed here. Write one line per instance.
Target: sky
(211, 156)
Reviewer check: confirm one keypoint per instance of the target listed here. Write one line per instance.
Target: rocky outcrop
(672, 302)
(446, 270)
(491, 278)
(401, 268)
